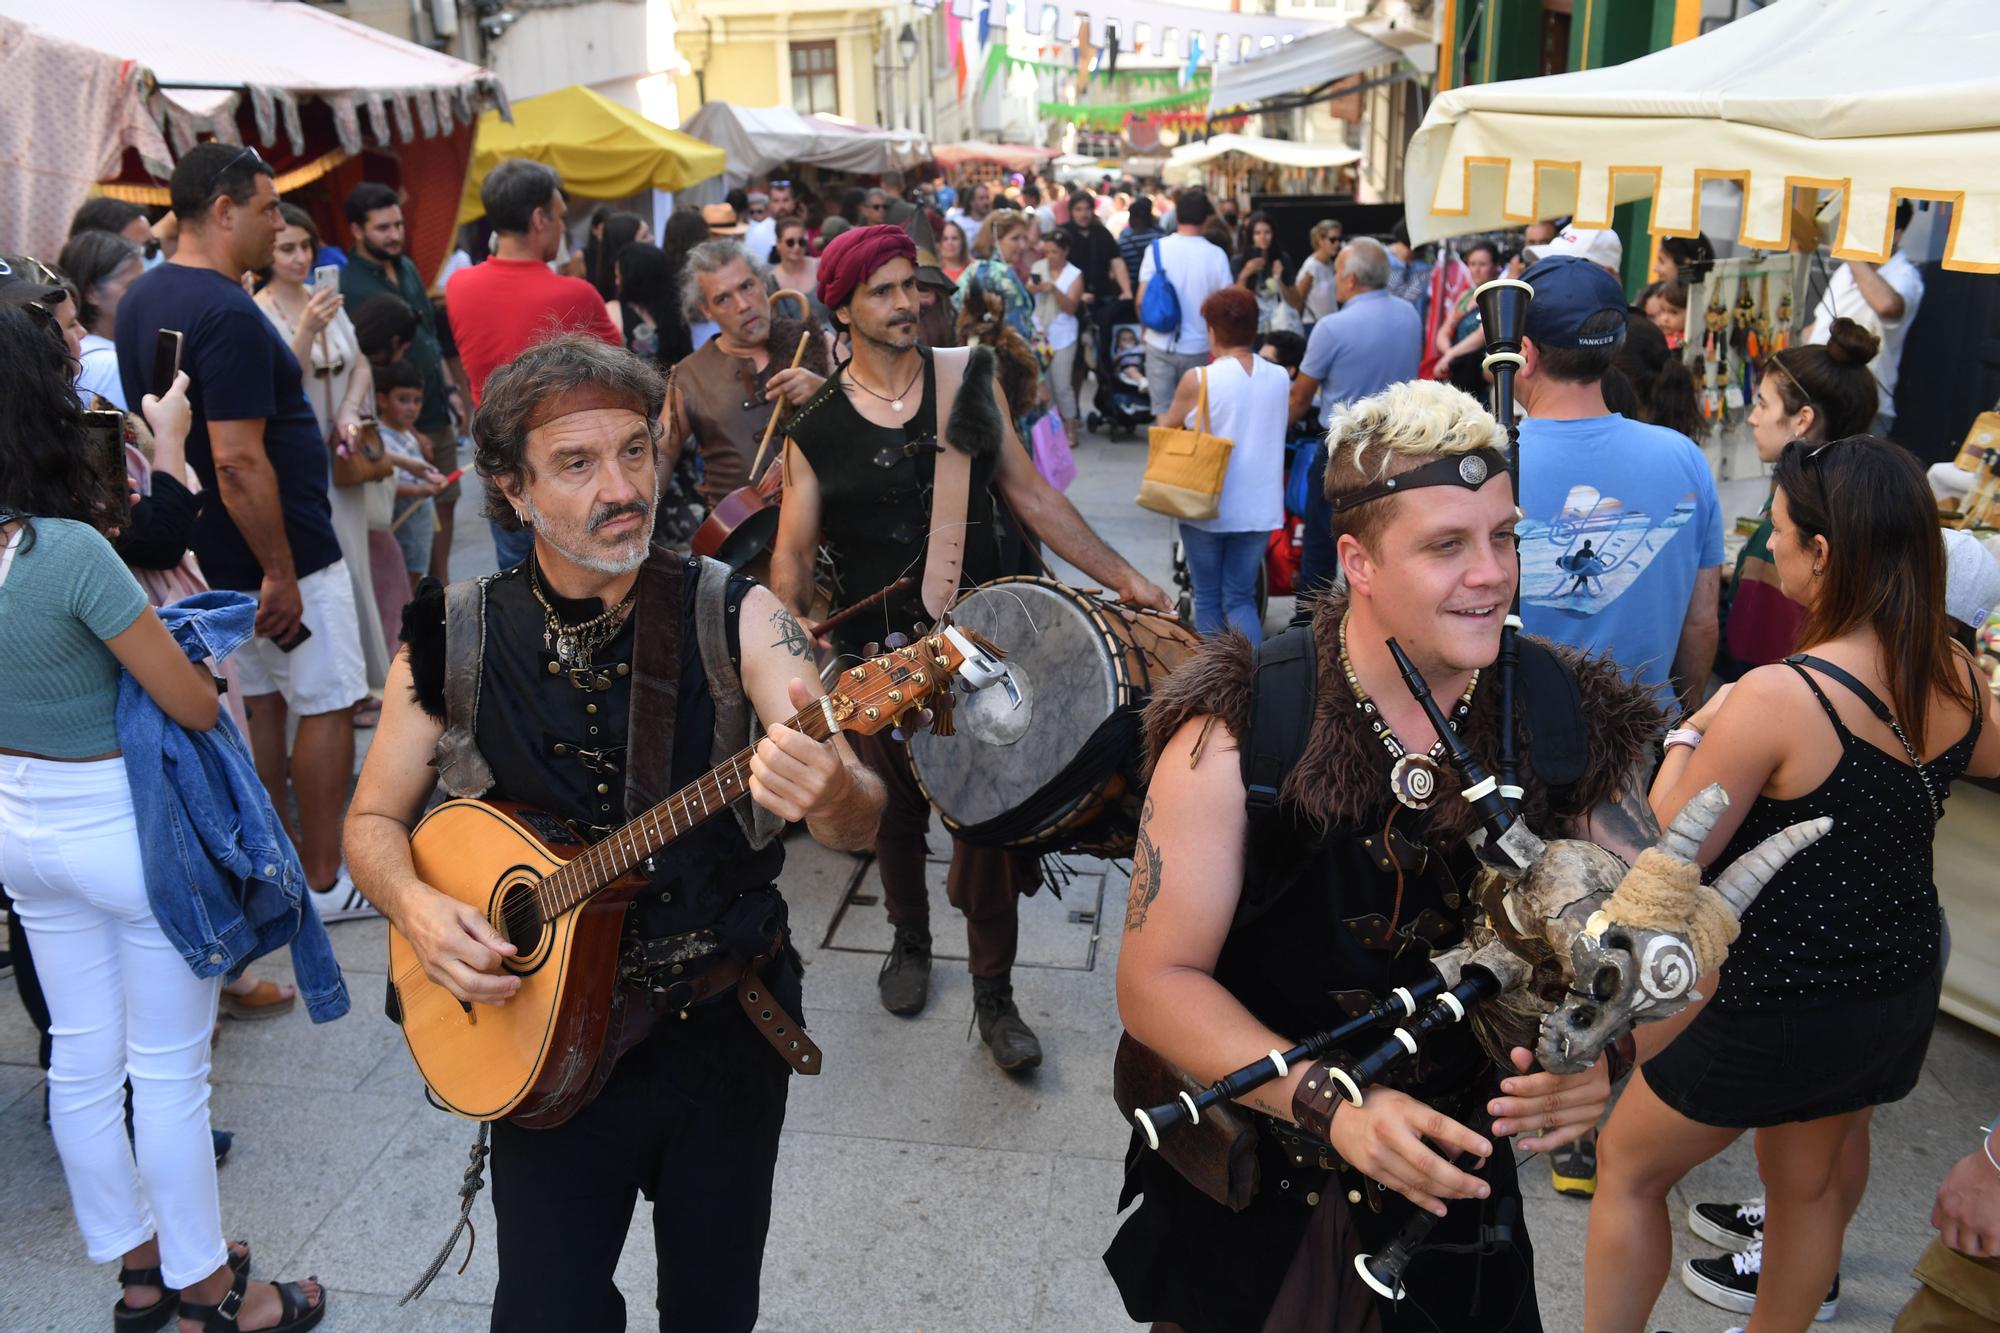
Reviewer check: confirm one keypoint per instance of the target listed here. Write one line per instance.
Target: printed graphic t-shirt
(1618, 519)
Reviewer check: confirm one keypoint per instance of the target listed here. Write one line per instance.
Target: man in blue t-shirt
(266, 525)
(1621, 538)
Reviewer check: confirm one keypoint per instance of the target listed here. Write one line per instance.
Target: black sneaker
(1728, 1226)
(1010, 1040)
(1573, 1167)
(1730, 1281)
(905, 980)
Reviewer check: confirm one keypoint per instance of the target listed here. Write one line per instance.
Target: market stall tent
(758, 139)
(1006, 156)
(1874, 101)
(1190, 161)
(112, 91)
(602, 150)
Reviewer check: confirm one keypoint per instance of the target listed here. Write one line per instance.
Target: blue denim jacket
(220, 871)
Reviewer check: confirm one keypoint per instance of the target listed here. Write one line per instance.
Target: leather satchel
(360, 460)
(1217, 1154)
(1185, 468)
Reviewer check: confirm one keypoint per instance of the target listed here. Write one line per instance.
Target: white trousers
(122, 1004)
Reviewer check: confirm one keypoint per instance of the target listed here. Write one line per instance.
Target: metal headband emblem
(1472, 470)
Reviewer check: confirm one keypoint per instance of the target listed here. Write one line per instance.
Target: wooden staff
(404, 517)
(778, 408)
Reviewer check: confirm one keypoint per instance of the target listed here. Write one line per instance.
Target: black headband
(1469, 470)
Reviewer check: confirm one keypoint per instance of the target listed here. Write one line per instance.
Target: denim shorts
(1750, 1068)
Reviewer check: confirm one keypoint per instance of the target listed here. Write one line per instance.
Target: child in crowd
(1666, 304)
(1129, 356)
(399, 398)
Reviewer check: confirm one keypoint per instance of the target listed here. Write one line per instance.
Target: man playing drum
(864, 465)
(721, 398)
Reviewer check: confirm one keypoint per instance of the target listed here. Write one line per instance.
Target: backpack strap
(735, 720)
(1553, 701)
(462, 770)
(1284, 685)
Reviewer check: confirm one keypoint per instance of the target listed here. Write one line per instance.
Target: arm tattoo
(1625, 824)
(1146, 865)
(792, 636)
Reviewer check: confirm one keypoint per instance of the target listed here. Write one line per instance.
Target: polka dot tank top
(1855, 914)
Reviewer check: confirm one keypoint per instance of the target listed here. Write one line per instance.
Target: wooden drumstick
(777, 408)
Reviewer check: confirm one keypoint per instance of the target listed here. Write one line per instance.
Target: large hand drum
(1049, 759)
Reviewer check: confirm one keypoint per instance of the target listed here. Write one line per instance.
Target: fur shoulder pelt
(983, 321)
(974, 424)
(1341, 781)
(784, 342)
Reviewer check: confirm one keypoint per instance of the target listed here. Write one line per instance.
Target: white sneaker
(342, 902)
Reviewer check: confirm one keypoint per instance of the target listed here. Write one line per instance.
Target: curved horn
(1683, 838)
(1749, 873)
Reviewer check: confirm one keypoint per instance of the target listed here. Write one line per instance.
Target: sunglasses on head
(247, 155)
(781, 185)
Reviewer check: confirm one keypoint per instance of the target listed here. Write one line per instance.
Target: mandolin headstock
(909, 687)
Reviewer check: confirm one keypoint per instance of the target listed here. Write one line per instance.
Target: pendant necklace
(896, 403)
(576, 645)
(1413, 778)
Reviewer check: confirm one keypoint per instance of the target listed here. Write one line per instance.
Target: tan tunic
(723, 399)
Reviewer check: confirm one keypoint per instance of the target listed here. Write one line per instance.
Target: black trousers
(689, 1118)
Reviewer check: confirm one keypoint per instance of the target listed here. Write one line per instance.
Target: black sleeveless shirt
(875, 504)
(562, 750)
(1855, 914)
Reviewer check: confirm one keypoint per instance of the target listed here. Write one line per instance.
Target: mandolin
(561, 902)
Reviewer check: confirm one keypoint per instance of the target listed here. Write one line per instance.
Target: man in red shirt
(501, 308)
(504, 306)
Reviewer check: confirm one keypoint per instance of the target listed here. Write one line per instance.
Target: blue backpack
(1161, 311)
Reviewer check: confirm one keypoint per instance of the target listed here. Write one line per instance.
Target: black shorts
(1749, 1068)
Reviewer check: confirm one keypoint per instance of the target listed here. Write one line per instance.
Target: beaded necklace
(576, 645)
(1413, 778)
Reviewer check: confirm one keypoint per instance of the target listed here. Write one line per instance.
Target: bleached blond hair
(1392, 432)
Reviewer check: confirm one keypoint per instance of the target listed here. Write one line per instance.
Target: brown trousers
(1958, 1295)
(985, 883)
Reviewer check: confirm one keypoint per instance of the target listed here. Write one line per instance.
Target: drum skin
(1075, 659)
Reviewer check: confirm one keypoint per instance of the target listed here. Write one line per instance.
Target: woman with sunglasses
(1811, 392)
(1824, 1007)
(797, 270)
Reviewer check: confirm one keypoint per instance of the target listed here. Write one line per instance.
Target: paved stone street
(918, 1188)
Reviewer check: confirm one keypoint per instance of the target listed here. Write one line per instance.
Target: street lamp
(906, 46)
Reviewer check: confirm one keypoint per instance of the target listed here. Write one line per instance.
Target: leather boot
(1012, 1043)
(905, 981)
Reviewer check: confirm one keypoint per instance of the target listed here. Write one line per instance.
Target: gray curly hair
(712, 257)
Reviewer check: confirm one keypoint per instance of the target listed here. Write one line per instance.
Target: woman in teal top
(1009, 230)
(122, 1002)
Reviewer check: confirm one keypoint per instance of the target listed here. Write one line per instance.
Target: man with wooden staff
(562, 684)
(722, 397)
(867, 475)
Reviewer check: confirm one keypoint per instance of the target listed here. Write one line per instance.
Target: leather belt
(677, 987)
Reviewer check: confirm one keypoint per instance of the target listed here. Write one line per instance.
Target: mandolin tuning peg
(895, 641)
(871, 650)
(918, 718)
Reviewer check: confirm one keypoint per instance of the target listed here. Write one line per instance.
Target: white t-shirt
(1249, 411)
(761, 239)
(99, 371)
(1196, 270)
(1057, 324)
(1320, 300)
(1844, 299)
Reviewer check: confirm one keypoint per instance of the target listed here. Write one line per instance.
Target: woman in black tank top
(1824, 1007)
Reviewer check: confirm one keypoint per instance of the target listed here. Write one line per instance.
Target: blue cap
(1568, 291)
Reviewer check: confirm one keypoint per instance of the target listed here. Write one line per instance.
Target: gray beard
(560, 540)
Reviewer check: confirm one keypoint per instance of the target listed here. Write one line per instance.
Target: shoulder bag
(1185, 468)
(361, 459)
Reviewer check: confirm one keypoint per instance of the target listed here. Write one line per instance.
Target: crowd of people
(270, 494)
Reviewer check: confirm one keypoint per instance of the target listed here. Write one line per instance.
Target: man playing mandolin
(561, 684)
(867, 474)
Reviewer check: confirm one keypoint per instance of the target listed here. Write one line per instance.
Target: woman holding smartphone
(342, 393)
(121, 999)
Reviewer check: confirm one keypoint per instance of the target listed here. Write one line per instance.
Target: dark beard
(386, 258)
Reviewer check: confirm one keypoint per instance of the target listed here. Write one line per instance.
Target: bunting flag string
(1113, 115)
(999, 59)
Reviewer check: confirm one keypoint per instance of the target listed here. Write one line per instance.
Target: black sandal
(295, 1314)
(132, 1319)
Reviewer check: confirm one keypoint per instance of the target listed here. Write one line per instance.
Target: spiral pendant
(1414, 780)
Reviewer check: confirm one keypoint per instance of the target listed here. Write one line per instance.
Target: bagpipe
(1564, 927)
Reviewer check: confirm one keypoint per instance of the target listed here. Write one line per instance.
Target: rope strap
(475, 1172)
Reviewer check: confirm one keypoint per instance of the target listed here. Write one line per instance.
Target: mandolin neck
(622, 850)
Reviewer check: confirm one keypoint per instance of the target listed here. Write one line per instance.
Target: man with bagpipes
(1324, 851)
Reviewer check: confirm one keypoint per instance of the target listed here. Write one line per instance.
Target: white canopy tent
(758, 139)
(1872, 100)
(1188, 161)
(1298, 66)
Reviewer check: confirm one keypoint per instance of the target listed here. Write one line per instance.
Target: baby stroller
(1122, 406)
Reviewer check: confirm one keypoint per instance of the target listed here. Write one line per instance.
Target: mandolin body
(531, 1059)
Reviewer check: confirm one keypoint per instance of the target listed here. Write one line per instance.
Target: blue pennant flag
(985, 23)
(1193, 60)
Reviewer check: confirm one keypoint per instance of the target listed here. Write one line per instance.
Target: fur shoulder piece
(974, 424)
(784, 342)
(423, 634)
(1216, 682)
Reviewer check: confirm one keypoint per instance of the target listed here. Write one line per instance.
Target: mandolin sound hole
(520, 918)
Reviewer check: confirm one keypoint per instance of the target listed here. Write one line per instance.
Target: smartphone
(303, 633)
(326, 277)
(106, 431)
(166, 360)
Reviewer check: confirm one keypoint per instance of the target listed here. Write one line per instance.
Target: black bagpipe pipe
(1503, 317)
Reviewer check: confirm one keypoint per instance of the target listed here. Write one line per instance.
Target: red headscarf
(855, 254)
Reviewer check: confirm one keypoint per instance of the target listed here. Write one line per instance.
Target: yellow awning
(601, 150)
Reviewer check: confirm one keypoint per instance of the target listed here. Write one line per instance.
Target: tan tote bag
(1185, 468)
